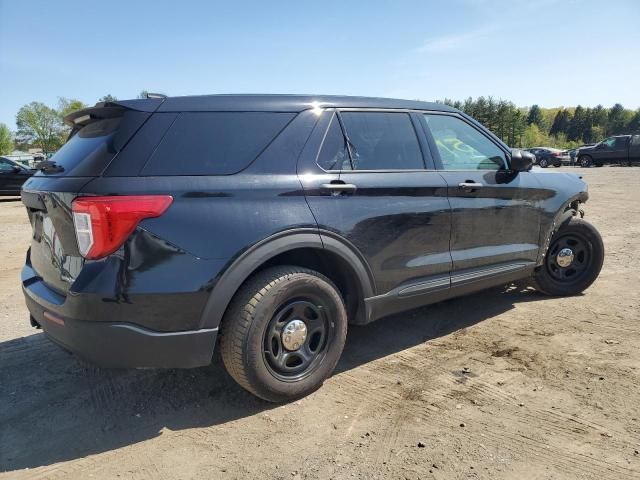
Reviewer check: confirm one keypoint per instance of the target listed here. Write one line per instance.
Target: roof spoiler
(101, 110)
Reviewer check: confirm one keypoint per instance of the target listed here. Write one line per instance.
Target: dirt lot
(551, 388)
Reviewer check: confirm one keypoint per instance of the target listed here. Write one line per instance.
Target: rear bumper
(115, 344)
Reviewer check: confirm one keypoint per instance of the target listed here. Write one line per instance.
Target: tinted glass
(94, 140)
(6, 166)
(462, 147)
(382, 141)
(214, 143)
(620, 143)
(333, 154)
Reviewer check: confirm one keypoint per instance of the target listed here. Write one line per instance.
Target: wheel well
(332, 266)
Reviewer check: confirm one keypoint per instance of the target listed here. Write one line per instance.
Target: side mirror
(17, 169)
(521, 161)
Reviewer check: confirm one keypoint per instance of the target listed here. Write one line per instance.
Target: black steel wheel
(569, 257)
(573, 261)
(283, 333)
(295, 341)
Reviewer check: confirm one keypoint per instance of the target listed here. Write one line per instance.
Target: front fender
(563, 215)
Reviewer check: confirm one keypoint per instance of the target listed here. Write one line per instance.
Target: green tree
(39, 125)
(535, 116)
(69, 105)
(6, 140)
(577, 125)
(616, 120)
(560, 122)
(634, 124)
(108, 98)
(143, 94)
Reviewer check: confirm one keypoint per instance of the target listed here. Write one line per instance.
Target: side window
(5, 166)
(462, 147)
(608, 142)
(382, 141)
(620, 143)
(333, 153)
(214, 143)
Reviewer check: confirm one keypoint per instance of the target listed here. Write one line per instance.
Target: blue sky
(527, 51)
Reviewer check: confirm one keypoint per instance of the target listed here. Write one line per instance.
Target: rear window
(215, 143)
(91, 143)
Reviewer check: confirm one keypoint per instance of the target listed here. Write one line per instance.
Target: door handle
(339, 188)
(470, 186)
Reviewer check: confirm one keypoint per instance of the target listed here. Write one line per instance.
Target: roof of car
(273, 103)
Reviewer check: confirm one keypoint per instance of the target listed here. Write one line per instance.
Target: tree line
(549, 127)
(41, 126)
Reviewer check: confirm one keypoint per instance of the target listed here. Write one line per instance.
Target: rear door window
(382, 141)
(214, 143)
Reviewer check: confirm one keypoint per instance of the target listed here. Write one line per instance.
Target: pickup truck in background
(616, 149)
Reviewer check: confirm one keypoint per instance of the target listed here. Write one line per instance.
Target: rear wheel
(573, 261)
(283, 333)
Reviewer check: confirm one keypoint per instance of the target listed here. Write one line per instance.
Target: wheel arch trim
(245, 264)
(562, 216)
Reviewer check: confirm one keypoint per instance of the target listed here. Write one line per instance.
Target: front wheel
(283, 333)
(585, 162)
(573, 261)
(544, 163)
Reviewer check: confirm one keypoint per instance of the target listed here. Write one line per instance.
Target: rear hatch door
(98, 135)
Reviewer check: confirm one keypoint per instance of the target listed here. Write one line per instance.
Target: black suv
(273, 221)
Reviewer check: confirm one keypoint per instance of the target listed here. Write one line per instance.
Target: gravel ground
(499, 385)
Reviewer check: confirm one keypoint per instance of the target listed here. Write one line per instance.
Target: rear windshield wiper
(49, 166)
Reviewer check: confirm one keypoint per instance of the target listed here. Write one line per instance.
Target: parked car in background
(12, 176)
(573, 153)
(616, 149)
(24, 159)
(272, 221)
(546, 156)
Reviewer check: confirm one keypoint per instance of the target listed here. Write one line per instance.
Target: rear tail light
(102, 224)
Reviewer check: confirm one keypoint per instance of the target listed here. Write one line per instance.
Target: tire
(587, 253)
(557, 164)
(585, 161)
(544, 163)
(253, 342)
